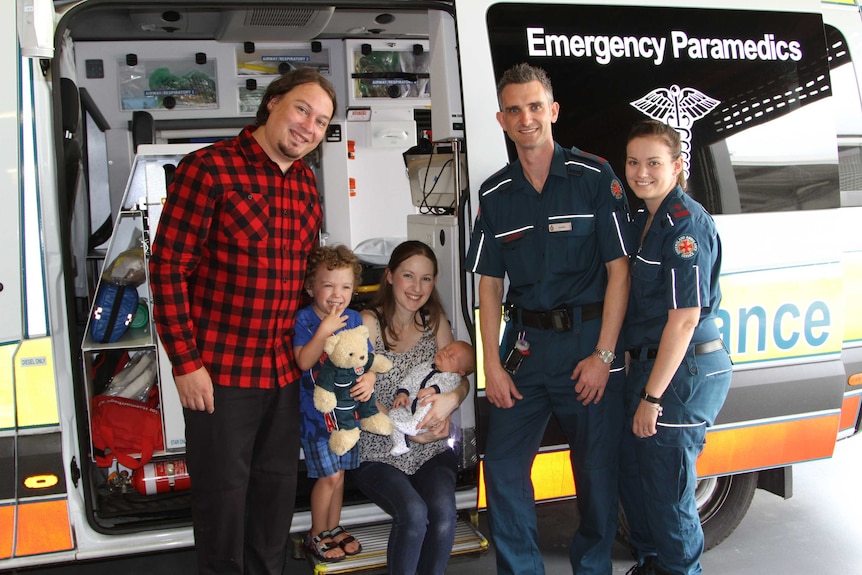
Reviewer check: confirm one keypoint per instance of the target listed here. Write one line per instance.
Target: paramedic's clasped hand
(645, 420)
(196, 390)
(499, 387)
(591, 375)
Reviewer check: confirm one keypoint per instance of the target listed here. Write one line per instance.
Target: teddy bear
(347, 357)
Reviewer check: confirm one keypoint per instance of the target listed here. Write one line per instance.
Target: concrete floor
(816, 531)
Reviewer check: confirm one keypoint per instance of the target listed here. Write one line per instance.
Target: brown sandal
(318, 547)
(345, 541)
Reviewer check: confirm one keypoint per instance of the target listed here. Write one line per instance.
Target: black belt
(559, 319)
(699, 349)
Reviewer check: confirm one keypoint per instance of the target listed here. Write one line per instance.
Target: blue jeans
(514, 437)
(423, 511)
(658, 475)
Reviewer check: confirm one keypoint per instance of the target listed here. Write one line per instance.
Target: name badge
(560, 227)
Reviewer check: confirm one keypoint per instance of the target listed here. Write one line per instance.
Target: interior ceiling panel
(264, 23)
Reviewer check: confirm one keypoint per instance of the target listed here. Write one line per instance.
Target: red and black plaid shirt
(228, 262)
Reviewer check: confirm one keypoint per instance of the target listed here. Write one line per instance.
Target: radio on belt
(516, 355)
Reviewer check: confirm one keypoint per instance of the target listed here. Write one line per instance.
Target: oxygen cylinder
(161, 477)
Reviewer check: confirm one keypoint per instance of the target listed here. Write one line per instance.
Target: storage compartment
(127, 374)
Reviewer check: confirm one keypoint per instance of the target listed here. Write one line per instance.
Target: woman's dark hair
(383, 304)
(288, 82)
(670, 137)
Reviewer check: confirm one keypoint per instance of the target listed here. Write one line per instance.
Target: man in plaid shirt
(226, 273)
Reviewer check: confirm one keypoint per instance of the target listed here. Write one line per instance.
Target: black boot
(646, 568)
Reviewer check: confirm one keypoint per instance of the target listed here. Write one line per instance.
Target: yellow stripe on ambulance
(34, 511)
(784, 313)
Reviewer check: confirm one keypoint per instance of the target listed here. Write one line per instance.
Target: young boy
(331, 277)
(444, 374)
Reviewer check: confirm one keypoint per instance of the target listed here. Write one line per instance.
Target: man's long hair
(288, 82)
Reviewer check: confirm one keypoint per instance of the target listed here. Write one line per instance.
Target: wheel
(722, 502)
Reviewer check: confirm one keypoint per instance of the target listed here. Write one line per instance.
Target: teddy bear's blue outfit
(339, 380)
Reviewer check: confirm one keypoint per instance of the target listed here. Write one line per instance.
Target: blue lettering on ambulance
(744, 315)
(792, 311)
(811, 322)
(786, 332)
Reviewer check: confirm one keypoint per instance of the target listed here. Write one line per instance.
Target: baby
(450, 364)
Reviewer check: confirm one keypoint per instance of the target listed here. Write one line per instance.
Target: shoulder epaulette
(578, 153)
(501, 180)
(578, 161)
(500, 172)
(678, 211)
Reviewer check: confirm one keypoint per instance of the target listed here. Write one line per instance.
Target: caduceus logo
(679, 108)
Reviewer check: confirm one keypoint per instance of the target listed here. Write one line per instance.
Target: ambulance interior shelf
(133, 341)
(124, 256)
(390, 70)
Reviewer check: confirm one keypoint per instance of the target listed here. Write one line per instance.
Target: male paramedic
(556, 223)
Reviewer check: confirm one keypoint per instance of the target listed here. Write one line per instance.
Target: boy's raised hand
(334, 321)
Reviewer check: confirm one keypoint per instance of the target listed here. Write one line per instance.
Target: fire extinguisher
(162, 477)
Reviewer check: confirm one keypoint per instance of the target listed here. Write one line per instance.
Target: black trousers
(243, 462)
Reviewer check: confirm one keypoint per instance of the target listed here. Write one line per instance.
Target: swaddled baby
(451, 363)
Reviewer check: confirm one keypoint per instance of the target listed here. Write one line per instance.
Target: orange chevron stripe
(850, 411)
(768, 445)
(7, 524)
(43, 527)
(727, 451)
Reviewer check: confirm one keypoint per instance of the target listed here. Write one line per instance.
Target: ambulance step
(374, 540)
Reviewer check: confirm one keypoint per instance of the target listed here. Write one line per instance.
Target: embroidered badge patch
(685, 247)
(616, 189)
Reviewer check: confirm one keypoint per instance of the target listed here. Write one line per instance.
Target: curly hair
(332, 258)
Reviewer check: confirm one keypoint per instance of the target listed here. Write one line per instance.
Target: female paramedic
(679, 371)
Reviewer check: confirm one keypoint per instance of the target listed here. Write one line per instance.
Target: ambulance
(109, 96)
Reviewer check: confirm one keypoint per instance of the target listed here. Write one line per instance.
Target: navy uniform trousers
(593, 433)
(658, 474)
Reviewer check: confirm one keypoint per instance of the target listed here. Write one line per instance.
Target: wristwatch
(606, 355)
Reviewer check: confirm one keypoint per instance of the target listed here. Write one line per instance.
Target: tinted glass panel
(748, 90)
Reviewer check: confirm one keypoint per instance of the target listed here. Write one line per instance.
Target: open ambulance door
(149, 82)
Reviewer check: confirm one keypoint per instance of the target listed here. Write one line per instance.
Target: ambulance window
(778, 166)
(759, 129)
(848, 121)
(97, 172)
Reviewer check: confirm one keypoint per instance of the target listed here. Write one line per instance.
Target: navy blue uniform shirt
(677, 266)
(553, 245)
